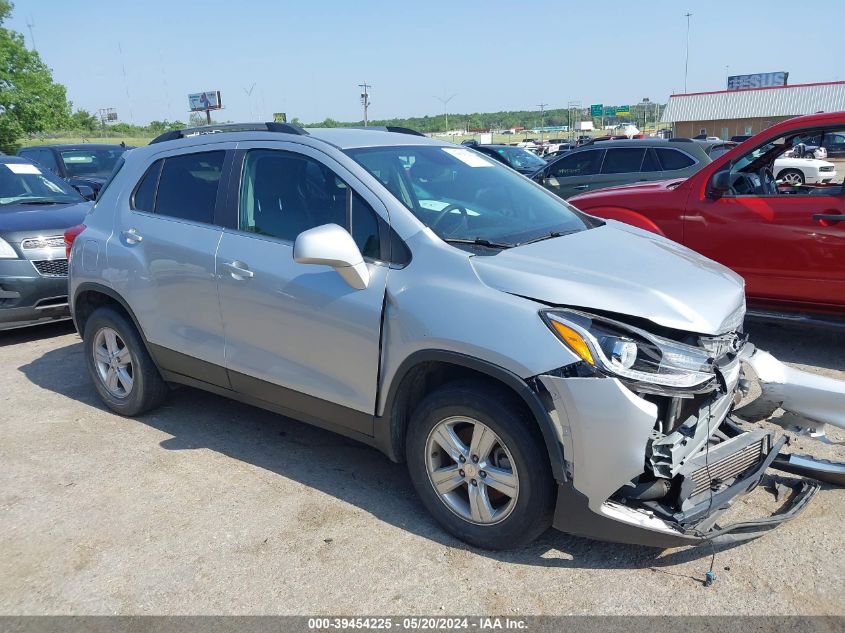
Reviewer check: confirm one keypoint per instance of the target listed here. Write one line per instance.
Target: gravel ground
(209, 506)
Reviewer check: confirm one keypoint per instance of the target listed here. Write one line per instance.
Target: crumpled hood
(622, 269)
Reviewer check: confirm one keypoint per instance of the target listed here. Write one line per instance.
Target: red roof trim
(718, 92)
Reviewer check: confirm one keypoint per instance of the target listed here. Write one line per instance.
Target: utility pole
(365, 99)
(445, 102)
(542, 107)
(686, 63)
(248, 94)
(30, 24)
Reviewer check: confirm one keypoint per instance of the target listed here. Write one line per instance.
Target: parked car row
(85, 166)
(43, 191)
(784, 234)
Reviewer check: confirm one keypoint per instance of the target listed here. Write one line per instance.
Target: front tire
(792, 177)
(479, 465)
(122, 370)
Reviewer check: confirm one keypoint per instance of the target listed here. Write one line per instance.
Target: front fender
(627, 216)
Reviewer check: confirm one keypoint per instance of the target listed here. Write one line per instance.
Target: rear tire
(792, 176)
(122, 370)
(504, 499)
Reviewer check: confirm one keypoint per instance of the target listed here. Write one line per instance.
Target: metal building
(727, 113)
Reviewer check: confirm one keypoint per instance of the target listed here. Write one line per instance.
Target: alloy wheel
(471, 470)
(793, 178)
(113, 362)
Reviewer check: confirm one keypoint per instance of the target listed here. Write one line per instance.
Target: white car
(804, 171)
(818, 152)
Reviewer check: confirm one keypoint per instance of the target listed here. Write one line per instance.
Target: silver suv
(533, 365)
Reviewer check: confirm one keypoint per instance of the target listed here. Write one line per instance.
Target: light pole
(445, 102)
(542, 107)
(686, 63)
(365, 99)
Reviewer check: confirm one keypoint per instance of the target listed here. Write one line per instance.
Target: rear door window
(623, 160)
(187, 186)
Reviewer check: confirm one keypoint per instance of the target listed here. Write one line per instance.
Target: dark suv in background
(622, 162)
(84, 165)
(517, 158)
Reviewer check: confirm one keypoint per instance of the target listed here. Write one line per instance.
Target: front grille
(51, 267)
(54, 241)
(728, 467)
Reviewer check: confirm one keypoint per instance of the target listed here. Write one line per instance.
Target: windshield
(91, 162)
(26, 183)
(520, 158)
(464, 196)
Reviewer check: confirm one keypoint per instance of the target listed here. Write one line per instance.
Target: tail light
(70, 235)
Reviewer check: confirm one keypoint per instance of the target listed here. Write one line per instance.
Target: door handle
(581, 187)
(832, 218)
(238, 270)
(132, 237)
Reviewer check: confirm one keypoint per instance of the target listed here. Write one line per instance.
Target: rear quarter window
(672, 159)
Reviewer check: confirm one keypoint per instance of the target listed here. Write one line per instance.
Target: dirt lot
(209, 506)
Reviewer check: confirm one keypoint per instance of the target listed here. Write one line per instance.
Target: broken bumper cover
(606, 431)
(616, 524)
(619, 523)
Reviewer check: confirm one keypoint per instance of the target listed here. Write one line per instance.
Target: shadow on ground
(35, 332)
(803, 345)
(348, 470)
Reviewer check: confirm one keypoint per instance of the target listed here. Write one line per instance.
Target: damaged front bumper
(656, 470)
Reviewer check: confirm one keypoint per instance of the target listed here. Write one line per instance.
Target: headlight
(6, 251)
(629, 352)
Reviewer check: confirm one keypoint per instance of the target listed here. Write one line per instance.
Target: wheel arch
(89, 296)
(426, 370)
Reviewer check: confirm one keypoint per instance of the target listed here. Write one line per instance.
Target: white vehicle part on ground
(815, 400)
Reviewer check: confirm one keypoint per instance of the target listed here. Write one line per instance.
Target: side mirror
(720, 184)
(332, 245)
(85, 191)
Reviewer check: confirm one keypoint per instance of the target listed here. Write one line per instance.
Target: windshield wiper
(478, 242)
(43, 202)
(547, 236)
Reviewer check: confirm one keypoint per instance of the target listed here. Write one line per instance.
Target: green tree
(84, 121)
(30, 101)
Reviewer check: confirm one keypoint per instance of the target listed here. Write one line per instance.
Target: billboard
(203, 101)
(757, 80)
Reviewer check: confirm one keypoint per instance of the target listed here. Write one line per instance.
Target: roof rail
(403, 130)
(282, 128)
(386, 128)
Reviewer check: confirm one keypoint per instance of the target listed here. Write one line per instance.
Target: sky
(307, 58)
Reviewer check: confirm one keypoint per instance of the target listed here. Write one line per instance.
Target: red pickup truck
(786, 240)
